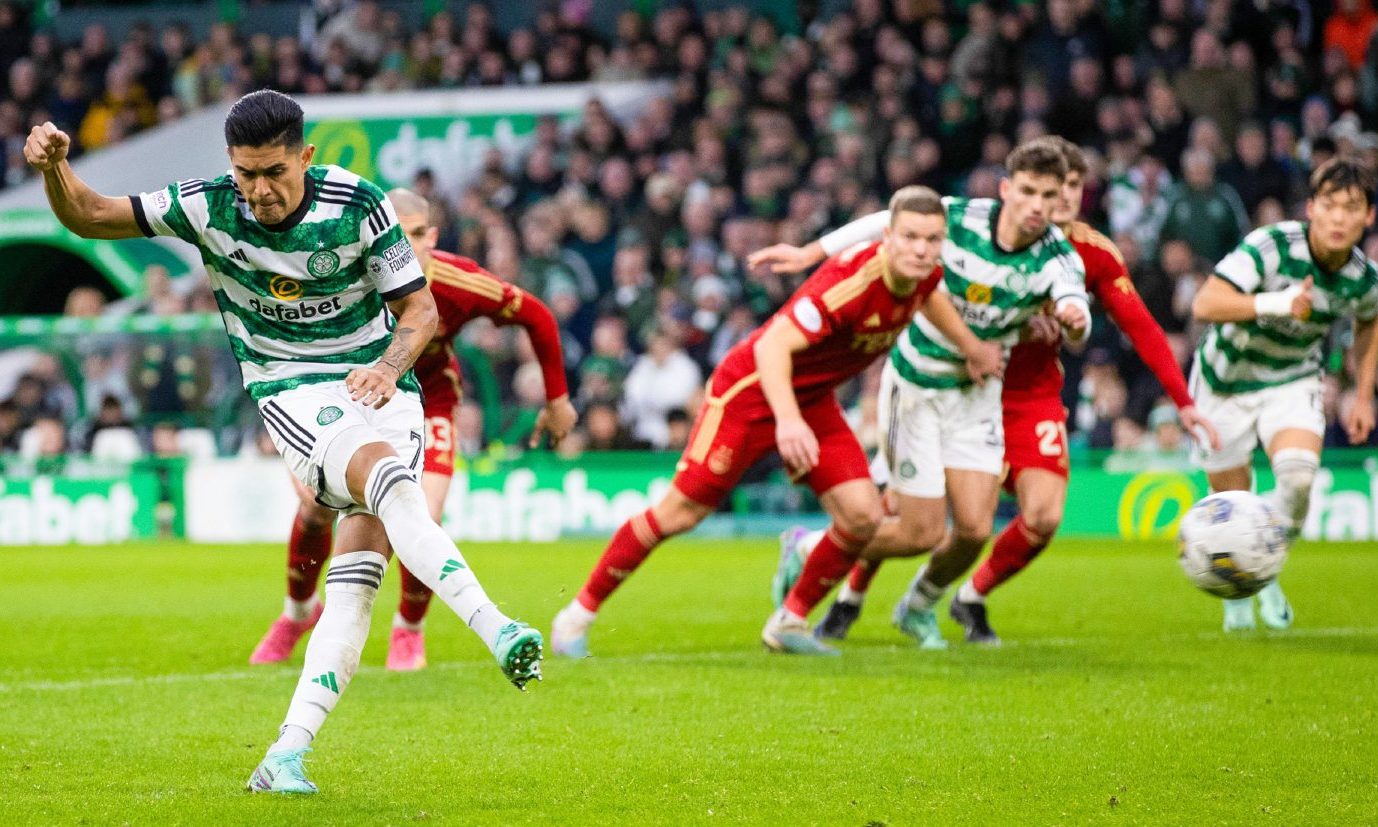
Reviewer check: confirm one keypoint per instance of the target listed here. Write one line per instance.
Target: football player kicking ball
(307, 262)
(944, 442)
(775, 390)
(1035, 421)
(463, 291)
(1270, 305)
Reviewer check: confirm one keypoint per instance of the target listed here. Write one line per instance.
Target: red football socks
(1014, 549)
(415, 597)
(827, 565)
(631, 544)
(307, 551)
(862, 574)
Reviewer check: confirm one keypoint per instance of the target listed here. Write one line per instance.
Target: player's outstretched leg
(307, 550)
(629, 547)
(407, 643)
(332, 657)
(393, 494)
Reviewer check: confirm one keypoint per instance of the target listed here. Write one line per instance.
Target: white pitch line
(650, 657)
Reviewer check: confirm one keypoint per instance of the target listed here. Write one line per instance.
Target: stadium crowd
(1202, 119)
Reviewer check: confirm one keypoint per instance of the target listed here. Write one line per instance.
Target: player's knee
(969, 529)
(1043, 519)
(676, 515)
(860, 521)
(314, 516)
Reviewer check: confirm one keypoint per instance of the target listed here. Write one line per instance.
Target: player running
(463, 291)
(776, 390)
(1035, 421)
(1270, 305)
(326, 309)
(1003, 260)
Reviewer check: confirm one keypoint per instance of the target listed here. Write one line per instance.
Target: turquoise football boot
(518, 651)
(281, 772)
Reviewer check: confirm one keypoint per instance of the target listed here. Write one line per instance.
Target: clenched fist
(46, 147)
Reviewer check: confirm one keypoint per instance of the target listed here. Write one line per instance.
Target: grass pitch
(125, 696)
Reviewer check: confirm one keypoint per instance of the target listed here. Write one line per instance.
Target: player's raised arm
(1127, 309)
(558, 416)
(786, 258)
(80, 208)
(983, 359)
(774, 360)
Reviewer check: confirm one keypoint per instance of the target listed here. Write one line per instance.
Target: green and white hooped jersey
(1240, 357)
(303, 301)
(994, 291)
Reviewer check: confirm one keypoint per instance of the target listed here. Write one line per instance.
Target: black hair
(265, 118)
(1342, 174)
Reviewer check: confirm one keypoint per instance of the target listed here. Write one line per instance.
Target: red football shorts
(1035, 437)
(440, 439)
(733, 432)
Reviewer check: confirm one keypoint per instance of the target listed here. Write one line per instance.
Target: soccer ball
(1232, 544)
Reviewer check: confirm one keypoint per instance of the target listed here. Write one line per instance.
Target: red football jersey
(1035, 369)
(464, 291)
(849, 316)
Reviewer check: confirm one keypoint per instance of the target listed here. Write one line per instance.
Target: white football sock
(810, 541)
(332, 654)
(392, 493)
(575, 613)
(299, 610)
(1295, 470)
(924, 595)
(968, 594)
(399, 622)
(847, 594)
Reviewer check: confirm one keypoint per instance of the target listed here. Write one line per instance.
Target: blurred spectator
(1203, 212)
(47, 445)
(1349, 29)
(664, 378)
(605, 431)
(110, 414)
(1254, 174)
(11, 424)
(84, 302)
(121, 110)
(677, 426)
(1210, 87)
(603, 373)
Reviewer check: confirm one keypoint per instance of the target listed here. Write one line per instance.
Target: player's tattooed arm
(416, 321)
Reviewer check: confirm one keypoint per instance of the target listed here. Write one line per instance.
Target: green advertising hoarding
(389, 138)
(390, 151)
(54, 510)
